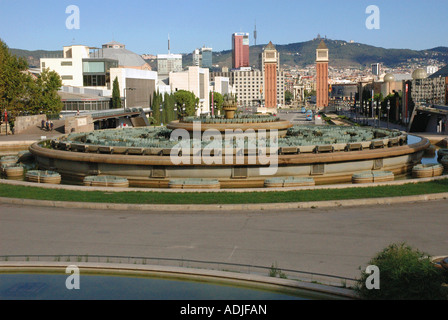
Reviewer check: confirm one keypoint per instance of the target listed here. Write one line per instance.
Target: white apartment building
(196, 80)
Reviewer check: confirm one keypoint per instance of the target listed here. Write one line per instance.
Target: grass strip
(136, 197)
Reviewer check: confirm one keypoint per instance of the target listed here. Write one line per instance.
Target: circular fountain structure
(259, 148)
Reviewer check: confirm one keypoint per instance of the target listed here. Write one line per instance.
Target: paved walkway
(35, 133)
(333, 241)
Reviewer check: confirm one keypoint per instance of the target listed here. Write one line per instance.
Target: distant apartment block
(376, 69)
(167, 63)
(431, 70)
(248, 86)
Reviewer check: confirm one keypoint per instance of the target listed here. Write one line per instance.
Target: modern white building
(196, 80)
(92, 68)
(70, 66)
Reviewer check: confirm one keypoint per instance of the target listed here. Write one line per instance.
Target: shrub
(405, 274)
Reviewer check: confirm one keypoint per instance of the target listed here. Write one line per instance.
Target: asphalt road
(333, 241)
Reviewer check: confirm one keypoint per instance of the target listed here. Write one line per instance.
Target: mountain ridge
(300, 54)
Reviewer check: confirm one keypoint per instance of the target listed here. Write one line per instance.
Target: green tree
(156, 102)
(309, 93)
(116, 99)
(405, 274)
(218, 100)
(15, 82)
(48, 84)
(288, 97)
(188, 99)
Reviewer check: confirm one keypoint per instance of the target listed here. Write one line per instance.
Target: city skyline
(144, 27)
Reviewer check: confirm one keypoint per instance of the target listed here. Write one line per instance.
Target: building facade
(167, 63)
(322, 75)
(248, 86)
(240, 50)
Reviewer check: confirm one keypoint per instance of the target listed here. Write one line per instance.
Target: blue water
(40, 286)
(427, 158)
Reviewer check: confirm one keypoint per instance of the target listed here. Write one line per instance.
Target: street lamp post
(125, 100)
(160, 115)
(388, 109)
(364, 108)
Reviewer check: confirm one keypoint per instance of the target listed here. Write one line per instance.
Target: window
(67, 77)
(93, 67)
(66, 63)
(94, 80)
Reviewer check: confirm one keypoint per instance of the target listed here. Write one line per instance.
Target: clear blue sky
(144, 25)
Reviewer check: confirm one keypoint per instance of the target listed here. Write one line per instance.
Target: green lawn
(137, 197)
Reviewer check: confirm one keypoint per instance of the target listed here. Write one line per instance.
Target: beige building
(222, 85)
(196, 80)
(248, 86)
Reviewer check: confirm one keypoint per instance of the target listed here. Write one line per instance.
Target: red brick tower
(270, 61)
(322, 75)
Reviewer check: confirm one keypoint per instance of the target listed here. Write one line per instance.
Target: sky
(144, 26)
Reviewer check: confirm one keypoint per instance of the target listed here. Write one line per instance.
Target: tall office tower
(206, 57)
(240, 50)
(203, 57)
(322, 75)
(270, 62)
(197, 57)
(376, 69)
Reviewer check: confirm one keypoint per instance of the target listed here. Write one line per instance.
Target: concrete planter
(106, 181)
(194, 184)
(441, 153)
(289, 182)
(427, 170)
(372, 176)
(14, 171)
(40, 176)
(444, 162)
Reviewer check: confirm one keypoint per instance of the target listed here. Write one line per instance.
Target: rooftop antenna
(168, 43)
(255, 32)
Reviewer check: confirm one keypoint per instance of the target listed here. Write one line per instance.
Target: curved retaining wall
(157, 171)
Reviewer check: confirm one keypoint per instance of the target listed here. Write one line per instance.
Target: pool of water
(44, 286)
